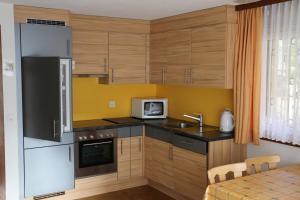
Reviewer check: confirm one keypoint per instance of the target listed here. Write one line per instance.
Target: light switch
(112, 104)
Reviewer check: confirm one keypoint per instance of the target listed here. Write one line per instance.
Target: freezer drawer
(49, 170)
(43, 40)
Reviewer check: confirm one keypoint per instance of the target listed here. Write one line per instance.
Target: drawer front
(124, 132)
(159, 134)
(136, 131)
(191, 144)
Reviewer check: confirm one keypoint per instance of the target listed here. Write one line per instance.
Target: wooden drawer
(190, 144)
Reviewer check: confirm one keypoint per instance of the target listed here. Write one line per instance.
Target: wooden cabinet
(190, 173)
(195, 48)
(212, 56)
(178, 47)
(181, 172)
(90, 52)
(127, 58)
(136, 156)
(123, 158)
(159, 165)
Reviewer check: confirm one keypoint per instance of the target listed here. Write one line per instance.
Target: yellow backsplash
(90, 99)
(189, 99)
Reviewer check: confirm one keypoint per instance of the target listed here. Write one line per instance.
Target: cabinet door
(90, 52)
(157, 73)
(148, 158)
(177, 75)
(127, 58)
(158, 48)
(123, 158)
(179, 47)
(49, 170)
(209, 56)
(41, 40)
(136, 151)
(190, 173)
(162, 163)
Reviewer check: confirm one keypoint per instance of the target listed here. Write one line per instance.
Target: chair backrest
(222, 171)
(257, 163)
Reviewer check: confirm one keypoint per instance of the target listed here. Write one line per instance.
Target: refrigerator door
(49, 170)
(66, 95)
(41, 98)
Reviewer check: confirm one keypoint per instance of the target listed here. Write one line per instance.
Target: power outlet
(112, 104)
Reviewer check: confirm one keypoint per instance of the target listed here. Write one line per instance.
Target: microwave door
(66, 95)
(41, 98)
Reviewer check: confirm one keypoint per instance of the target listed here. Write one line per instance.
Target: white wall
(13, 136)
(289, 155)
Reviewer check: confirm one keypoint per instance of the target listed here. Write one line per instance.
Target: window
(280, 119)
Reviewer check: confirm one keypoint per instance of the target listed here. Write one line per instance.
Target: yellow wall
(184, 100)
(90, 99)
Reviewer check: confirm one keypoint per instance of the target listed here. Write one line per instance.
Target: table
(278, 184)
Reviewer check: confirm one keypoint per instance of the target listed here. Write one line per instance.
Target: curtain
(247, 73)
(280, 118)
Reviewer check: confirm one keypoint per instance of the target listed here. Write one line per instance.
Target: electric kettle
(226, 121)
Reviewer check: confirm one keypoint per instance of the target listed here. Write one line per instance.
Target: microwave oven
(149, 108)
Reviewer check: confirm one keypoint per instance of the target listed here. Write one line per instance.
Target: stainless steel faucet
(199, 118)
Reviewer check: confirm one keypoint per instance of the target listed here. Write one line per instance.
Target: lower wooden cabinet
(123, 158)
(190, 173)
(177, 169)
(130, 157)
(136, 156)
(159, 164)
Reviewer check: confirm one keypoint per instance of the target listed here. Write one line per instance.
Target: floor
(138, 193)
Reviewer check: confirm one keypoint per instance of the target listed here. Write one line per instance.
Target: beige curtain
(247, 67)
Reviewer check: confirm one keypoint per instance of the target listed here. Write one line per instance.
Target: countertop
(207, 133)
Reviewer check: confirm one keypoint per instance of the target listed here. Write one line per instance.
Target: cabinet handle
(185, 76)
(163, 76)
(140, 144)
(190, 76)
(121, 147)
(54, 128)
(70, 156)
(68, 47)
(105, 64)
(112, 75)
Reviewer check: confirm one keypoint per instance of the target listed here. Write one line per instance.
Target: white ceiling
(136, 9)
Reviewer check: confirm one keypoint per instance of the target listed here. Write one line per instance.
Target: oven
(95, 152)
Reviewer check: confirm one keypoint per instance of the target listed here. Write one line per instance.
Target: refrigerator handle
(65, 88)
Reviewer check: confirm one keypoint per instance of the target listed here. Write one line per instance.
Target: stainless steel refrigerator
(46, 66)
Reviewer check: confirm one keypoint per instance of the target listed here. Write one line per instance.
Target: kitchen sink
(180, 125)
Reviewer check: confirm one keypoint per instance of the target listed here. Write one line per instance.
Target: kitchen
(131, 102)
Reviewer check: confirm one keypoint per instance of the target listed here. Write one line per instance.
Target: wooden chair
(222, 171)
(256, 164)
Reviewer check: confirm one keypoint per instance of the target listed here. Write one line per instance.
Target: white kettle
(226, 121)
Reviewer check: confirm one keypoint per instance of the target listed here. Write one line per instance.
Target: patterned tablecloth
(279, 184)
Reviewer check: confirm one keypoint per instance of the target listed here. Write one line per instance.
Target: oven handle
(92, 144)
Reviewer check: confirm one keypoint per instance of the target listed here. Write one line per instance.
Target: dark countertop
(208, 133)
(98, 124)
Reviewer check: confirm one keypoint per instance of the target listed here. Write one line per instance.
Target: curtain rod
(257, 4)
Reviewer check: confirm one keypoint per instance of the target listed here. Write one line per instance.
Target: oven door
(96, 157)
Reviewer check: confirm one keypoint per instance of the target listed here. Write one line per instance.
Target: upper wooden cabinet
(194, 52)
(127, 58)
(178, 47)
(112, 46)
(90, 52)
